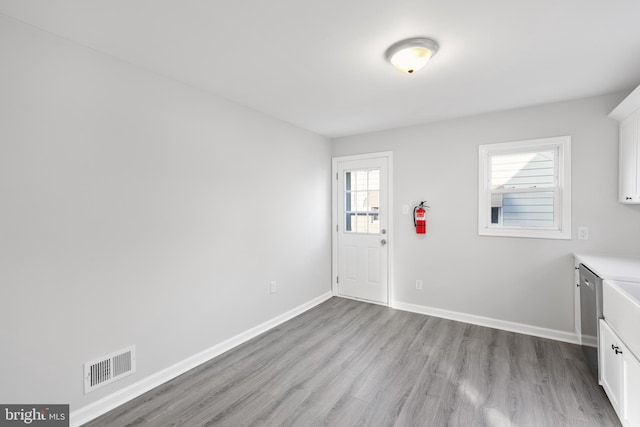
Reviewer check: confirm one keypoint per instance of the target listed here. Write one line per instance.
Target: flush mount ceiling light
(411, 54)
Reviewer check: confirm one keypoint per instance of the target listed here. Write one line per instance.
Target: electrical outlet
(583, 233)
(419, 285)
(405, 209)
(273, 288)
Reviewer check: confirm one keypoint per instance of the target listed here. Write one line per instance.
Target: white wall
(528, 281)
(137, 210)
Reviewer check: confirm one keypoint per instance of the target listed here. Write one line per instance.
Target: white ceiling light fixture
(412, 54)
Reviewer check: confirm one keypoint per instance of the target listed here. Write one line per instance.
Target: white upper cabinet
(628, 114)
(628, 164)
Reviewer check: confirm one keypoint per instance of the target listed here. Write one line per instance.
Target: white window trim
(562, 199)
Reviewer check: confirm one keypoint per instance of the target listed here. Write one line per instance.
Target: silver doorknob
(383, 242)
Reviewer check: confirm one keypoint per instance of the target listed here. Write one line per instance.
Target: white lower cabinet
(631, 390)
(620, 376)
(611, 366)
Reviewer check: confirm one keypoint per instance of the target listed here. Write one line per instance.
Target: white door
(361, 217)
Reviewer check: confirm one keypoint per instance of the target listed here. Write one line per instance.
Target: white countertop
(612, 268)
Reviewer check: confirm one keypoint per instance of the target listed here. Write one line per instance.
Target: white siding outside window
(525, 188)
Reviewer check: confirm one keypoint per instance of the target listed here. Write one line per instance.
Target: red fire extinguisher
(420, 218)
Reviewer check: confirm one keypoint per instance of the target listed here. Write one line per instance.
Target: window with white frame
(525, 188)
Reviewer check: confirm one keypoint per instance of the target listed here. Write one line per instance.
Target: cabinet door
(576, 301)
(611, 366)
(631, 389)
(628, 160)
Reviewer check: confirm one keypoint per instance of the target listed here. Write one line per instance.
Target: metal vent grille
(107, 369)
(121, 363)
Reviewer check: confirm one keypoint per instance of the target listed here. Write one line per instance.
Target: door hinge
(336, 228)
(336, 176)
(337, 279)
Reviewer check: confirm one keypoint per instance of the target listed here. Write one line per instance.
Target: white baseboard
(107, 403)
(520, 328)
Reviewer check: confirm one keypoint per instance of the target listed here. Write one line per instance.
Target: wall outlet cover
(583, 233)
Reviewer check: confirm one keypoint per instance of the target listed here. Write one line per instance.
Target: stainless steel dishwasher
(590, 313)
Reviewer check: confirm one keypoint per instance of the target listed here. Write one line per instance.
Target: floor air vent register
(109, 368)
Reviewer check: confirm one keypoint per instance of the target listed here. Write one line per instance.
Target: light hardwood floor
(348, 363)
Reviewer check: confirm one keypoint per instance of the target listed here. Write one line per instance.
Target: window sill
(525, 233)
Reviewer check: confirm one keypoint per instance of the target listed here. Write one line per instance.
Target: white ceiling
(319, 64)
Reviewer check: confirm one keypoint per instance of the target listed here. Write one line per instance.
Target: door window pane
(373, 180)
(362, 201)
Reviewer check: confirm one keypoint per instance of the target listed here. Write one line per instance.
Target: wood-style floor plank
(348, 363)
